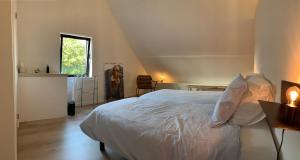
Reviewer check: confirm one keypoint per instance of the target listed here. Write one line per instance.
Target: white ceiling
(176, 37)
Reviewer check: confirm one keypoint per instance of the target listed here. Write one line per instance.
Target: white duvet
(164, 125)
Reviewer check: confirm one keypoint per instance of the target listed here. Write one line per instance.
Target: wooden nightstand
(276, 118)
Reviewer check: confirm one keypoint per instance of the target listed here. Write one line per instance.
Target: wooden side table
(276, 119)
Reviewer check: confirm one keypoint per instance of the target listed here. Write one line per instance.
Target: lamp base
(290, 115)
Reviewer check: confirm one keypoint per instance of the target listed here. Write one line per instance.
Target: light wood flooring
(59, 139)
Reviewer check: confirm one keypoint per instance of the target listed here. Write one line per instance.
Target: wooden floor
(59, 139)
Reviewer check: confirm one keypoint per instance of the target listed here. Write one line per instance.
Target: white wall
(7, 109)
(41, 22)
(15, 56)
(277, 52)
(193, 41)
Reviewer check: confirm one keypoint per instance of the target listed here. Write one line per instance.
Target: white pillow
(259, 88)
(229, 101)
(247, 114)
(249, 111)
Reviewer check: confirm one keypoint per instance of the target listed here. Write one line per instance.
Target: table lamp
(290, 109)
(292, 95)
(162, 77)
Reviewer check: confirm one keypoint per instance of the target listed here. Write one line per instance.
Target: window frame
(62, 36)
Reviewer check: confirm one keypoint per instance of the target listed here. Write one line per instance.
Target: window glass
(75, 55)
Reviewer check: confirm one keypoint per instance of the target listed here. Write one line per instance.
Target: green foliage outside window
(74, 56)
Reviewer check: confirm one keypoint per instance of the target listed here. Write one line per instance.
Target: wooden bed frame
(102, 146)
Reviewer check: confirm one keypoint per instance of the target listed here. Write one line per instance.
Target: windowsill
(79, 76)
(42, 75)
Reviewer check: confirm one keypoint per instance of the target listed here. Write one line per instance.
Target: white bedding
(257, 142)
(166, 124)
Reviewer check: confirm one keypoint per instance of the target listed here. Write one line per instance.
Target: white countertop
(42, 75)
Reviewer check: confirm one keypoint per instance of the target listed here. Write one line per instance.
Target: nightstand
(276, 118)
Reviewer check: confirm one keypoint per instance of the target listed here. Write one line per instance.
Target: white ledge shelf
(42, 75)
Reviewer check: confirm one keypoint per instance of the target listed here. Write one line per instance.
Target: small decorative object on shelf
(37, 70)
(47, 69)
(21, 68)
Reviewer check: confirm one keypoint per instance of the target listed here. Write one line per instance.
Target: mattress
(257, 142)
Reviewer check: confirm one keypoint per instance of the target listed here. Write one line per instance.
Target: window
(75, 55)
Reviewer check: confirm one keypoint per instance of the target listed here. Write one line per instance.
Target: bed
(174, 124)
(257, 142)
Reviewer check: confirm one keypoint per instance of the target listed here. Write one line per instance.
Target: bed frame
(102, 146)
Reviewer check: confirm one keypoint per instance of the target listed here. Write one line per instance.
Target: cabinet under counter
(42, 96)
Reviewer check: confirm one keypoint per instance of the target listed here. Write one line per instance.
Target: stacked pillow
(229, 101)
(249, 111)
(239, 103)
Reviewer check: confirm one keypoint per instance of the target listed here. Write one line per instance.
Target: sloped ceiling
(192, 41)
